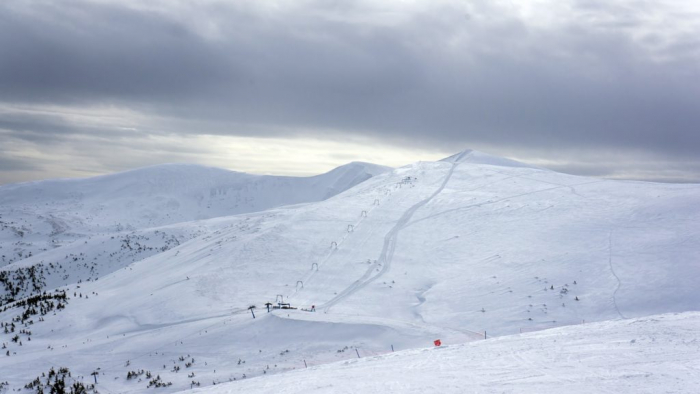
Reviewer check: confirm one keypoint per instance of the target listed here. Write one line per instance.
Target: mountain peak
(476, 157)
(459, 156)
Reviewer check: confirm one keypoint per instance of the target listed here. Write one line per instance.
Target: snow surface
(448, 249)
(657, 354)
(39, 216)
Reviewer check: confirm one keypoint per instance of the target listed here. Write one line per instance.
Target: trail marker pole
(392, 348)
(358, 353)
(305, 366)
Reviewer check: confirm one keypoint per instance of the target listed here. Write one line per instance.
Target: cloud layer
(568, 82)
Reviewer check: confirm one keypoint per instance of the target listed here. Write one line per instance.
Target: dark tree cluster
(157, 382)
(56, 383)
(134, 243)
(136, 374)
(40, 304)
(21, 281)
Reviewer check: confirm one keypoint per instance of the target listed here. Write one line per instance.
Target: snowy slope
(658, 354)
(445, 249)
(184, 191)
(39, 216)
(476, 157)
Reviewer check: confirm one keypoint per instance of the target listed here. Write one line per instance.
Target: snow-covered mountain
(39, 216)
(461, 249)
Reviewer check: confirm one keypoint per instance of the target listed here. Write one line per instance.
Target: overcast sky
(606, 88)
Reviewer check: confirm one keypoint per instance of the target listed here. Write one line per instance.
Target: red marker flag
(437, 342)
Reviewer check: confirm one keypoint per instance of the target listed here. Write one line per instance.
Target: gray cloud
(572, 76)
(16, 164)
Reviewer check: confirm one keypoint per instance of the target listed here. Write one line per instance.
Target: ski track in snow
(389, 245)
(619, 283)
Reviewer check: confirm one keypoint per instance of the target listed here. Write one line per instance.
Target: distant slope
(172, 193)
(40, 215)
(657, 354)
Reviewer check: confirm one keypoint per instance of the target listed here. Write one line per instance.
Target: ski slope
(657, 354)
(389, 246)
(458, 249)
